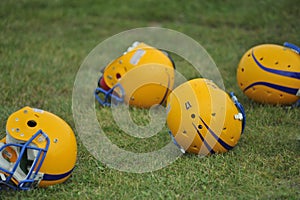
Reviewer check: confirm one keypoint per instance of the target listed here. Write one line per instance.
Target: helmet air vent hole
(289, 66)
(199, 126)
(118, 76)
(224, 128)
(276, 63)
(281, 95)
(31, 123)
(249, 55)
(243, 69)
(253, 88)
(193, 116)
(261, 58)
(213, 114)
(241, 84)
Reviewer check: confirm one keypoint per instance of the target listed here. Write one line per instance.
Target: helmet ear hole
(31, 123)
(118, 75)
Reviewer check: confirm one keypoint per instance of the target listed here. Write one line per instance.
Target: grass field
(43, 43)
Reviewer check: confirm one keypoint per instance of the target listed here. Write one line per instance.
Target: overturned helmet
(203, 119)
(39, 150)
(143, 76)
(270, 73)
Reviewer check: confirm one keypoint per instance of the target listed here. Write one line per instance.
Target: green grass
(43, 43)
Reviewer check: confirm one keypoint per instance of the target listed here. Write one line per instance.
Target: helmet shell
(61, 155)
(145, 73)
(201, 117)
(270, 73)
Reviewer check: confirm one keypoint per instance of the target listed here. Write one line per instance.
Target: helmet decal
(275, 71)
(224, 144)
(209, 148)
(289, 90)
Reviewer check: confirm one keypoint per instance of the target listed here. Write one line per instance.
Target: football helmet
(203, 119)
(39, 149)
(143, 76)
(270, 73)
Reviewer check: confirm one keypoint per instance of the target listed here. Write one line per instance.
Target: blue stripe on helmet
(276, 71)
(224, 144)
(54, 177)
(204, 141)
(274, 86)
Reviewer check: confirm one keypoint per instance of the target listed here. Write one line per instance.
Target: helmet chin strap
(4, 185)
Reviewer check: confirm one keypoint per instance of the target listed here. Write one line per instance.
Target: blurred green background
(43, 43)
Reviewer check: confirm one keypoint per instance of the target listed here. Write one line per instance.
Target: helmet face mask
(110, 95)
(141, 77)
(203, 119)
(39, 150)
(21, 162)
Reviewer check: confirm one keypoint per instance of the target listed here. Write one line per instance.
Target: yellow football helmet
(141, 77)
(39, 150)
(202, 118)
(270, 73)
